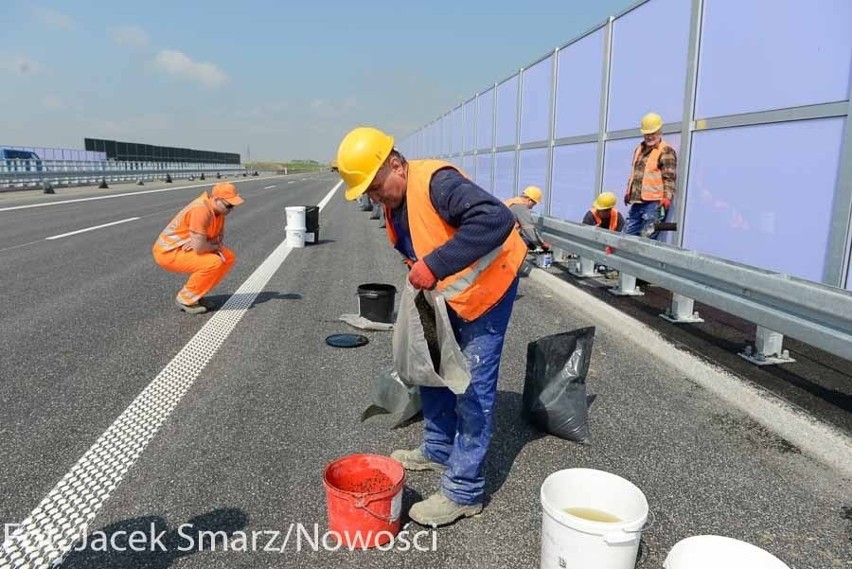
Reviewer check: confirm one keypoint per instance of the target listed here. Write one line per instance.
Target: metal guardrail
(38, 173)
(813, 313)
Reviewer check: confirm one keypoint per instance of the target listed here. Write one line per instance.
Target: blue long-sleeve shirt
(482, 222)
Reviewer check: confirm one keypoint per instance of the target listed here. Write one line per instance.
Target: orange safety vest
(652, 180)
(613, 218)
(177, 231)
(475, 289)
(517, 200)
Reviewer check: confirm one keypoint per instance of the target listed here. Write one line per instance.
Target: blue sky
(286, 79)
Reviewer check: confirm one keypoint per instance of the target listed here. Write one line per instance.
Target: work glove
(666, 203)
(421, 277)
(626, 199)
(545, 245)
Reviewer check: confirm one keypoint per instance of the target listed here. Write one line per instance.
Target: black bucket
(312, 226)
(375, 302)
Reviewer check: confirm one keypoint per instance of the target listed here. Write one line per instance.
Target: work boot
(208, 304)
(438, 510)
(191, 308)
(416, 460)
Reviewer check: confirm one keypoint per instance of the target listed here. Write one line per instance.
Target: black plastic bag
(555, 385)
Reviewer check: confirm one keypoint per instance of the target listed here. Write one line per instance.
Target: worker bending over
(456, 238)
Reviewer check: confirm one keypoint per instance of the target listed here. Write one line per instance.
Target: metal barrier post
(767, 349)
(626, 286)
(681, 311)
(583, 268)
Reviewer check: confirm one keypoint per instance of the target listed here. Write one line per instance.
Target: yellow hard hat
(360, 155)
(606, 200)
(533, 193)
(651, 123)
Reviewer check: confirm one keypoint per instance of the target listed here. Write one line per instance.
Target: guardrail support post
(560, 255)
(767, 349)
(681, 311)
(583, 268)
(626, 286)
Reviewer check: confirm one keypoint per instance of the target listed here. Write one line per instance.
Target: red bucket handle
(363, 504)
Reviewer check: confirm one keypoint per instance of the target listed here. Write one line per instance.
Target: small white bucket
(571, 541)
(296, 217)
(295, 238)
(714, 551)
(544, 260)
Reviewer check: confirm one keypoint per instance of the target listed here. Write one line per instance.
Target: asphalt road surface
(242, 409)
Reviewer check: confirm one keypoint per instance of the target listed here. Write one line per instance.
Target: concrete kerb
(815, 438)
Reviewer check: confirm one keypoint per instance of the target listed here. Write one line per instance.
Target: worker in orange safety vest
(603, 213)
(192, 243)
(653, 179)
(520, 206)
(458, 239)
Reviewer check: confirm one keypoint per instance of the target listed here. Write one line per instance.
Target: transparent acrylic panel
(766, 211)
(470, 125)
(436, 139)
(483, 171)
(578, 103)
(446, 134)
(849, 276)
(749, 63)
(532, 171)
(485, 120)
(618, 162)
(649, 69)
(467, 165)
(573, 180)
(458, 132)
(507, 112)
(504, 174)
(535, 104)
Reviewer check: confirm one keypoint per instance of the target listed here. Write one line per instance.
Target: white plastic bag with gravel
(425, 351)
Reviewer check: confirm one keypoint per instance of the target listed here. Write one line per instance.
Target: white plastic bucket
(295, 238)
(571, 541)
(295, 217)
(715, 551)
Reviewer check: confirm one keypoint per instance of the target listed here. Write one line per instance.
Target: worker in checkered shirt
(653, 179)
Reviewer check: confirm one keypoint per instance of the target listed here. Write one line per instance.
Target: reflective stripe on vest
(613, 218)
(177, 232)
(652, 179)
(474, 290)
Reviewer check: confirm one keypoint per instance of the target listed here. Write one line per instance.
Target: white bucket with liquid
(569, 540)
(295, 238)
(296, 217)
(714, 551)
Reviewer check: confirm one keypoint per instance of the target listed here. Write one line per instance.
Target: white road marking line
(91, 228)
(269, 187)
(329, 195)
(49, 532)
(94, 198)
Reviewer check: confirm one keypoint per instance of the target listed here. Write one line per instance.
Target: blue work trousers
(642, 214)
(458, 428)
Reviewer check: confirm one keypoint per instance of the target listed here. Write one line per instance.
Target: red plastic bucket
(364, 498)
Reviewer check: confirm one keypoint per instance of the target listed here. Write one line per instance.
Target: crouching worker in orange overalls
(192, 243)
